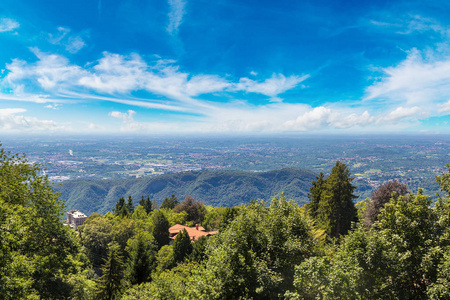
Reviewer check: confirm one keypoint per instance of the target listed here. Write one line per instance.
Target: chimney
(196, 226)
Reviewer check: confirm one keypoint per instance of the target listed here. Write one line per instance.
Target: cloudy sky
(224, 66)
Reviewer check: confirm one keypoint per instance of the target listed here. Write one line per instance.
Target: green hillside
(217, 188)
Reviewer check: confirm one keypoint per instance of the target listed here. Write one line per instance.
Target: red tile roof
(193, 232)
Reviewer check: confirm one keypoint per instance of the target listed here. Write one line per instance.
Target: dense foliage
(39, 257)
(264, 250)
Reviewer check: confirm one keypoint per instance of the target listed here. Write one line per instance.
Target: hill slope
(217, 188)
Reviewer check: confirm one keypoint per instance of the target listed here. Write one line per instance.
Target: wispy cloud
(417, 80)
(115, 75)
(412, 23)
(176, 13)
(8, 24)
(271, 87)
(445, 107)
(72, 44)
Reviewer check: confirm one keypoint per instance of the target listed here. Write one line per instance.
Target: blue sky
(222, 66)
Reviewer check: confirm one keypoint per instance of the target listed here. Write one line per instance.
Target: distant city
(414, 160)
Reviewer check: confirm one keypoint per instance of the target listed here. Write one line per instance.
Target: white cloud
(8, 24)
(119, 76)
(128, 122)
(324, 117)
(313, 119)
(445, 107)
(401, 113)
(52, 72)
(416, 80)
(72, 44)
(125, 117)
(271, 87)
(75, 44)
(176, 13)
(353, 119)
(10, 119)
(54, 106)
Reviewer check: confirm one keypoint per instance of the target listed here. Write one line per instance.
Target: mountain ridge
(213, 187)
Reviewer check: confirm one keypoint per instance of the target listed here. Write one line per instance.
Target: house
(194, 232)
(75, 218)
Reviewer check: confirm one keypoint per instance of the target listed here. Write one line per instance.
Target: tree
(160, 230)
(36, 251)
(146, 204)
(335, 209)
(165, 259)
(170, 203)
(109, 286)
(182, 246)
(400, 257)
(380, 197)
(130, 206)
(142, 252)
(96, 234)
(255, 255)
(198, 249)
(315, 194)
(196, 210)
(120, 208)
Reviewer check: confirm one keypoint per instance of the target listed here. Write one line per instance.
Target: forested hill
(217, 188)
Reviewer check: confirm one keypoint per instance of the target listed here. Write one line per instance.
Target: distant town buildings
(75, 218)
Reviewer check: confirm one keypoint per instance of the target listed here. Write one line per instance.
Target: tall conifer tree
(182, 246)
(110, 284)
(130, 205)
(160, 229)
(314, 195)
(336, 209)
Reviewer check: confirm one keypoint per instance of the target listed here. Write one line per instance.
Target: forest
(392, 245)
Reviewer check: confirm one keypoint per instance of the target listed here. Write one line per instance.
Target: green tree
(198, 253)
(315, 194)
(336, 210)
(160, 229)
(182, 246)
(96, 233)
(139, 213)
(120, 208)
(110, 285)
(170, 203)
(142, 253)
(397, 258)
(130, 206)
(165, 259)
(123, 229)
(36, 250)
(146, 204)
(255, 256)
